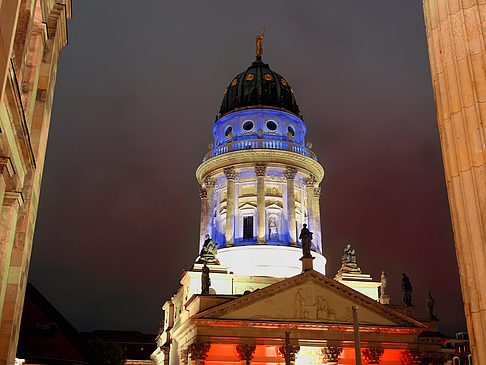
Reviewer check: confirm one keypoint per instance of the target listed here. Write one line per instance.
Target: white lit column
(260, 171)
(317, 215)
(209, 204)
(290, 175)
(230, 174)
(204, 215)
(310, 182)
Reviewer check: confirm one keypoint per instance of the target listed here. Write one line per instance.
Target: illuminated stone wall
(32, 33)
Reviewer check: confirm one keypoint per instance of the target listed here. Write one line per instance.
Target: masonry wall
(32, 33)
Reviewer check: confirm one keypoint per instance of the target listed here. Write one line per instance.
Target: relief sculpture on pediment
(311, 306)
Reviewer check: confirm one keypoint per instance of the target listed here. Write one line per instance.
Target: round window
(228, 131)
(291, 131)
(271, 125)
(248, 125)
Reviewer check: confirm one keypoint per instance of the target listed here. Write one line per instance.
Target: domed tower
(260, 180)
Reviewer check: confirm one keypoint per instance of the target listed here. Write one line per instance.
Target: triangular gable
(309, 297)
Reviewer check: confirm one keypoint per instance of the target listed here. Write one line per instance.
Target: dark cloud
(139, 85)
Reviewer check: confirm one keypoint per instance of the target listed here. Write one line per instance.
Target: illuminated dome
(258, 86)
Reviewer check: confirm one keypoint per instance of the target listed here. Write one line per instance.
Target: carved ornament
(230, 173)
(310, 181)
(260, 169)
(317, 192)
(332, 353)
(290, 173)
(203, 194)
(412, 357)
(199, 351)
(245, 352)
(293, 350)
(373, 355)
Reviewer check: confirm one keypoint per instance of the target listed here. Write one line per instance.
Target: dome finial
(259, 47)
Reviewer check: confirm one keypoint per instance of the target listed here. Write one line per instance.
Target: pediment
(308, 297)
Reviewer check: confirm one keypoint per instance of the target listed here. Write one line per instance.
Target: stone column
(209, 183)
(230, 174)
(317, 218)
(289, 174)
(260, 171)
(310, 182)
(8, 223)
(245, 352)
(203, 194)
(183, 356)
(199, 352)
(456, 39)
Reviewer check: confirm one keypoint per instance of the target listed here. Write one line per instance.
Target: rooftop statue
(349, 263)
(383, 284)
(306, 238)
(406, 290)
(430, 305)
(208, 252)
(259, 47)
(205, 280)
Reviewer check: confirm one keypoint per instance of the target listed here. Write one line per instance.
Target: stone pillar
(203, 194)
(199, 352)
(290, 173)
(183, 356)
(317, 215)
(230, 174)
(209, 183)
(245, 352)
(260, 171)
(8, 223)
(456, 39)
(310, 182)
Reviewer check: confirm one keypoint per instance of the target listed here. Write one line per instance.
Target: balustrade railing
(259, 144)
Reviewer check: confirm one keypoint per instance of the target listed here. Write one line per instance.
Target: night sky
(138, 89)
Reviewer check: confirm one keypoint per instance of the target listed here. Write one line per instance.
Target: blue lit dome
(258, 87)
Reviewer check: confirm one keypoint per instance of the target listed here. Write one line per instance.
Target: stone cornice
(248, 158)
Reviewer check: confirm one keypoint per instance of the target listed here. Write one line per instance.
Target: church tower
(258, 292)
(260, 180)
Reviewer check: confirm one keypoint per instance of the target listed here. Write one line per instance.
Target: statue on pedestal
(384, 298)
(430, 306)
(205, 280)
(406, 290)
(349, 263)
(306, 239)
(208, 252)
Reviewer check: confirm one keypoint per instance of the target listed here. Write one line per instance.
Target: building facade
(260, 298)
(32, 33)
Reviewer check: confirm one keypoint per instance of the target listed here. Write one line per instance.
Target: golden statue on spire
(259, 47)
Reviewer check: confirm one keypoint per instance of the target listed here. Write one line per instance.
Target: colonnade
(311, 215)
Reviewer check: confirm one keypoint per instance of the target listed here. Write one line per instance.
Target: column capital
(203, 193)
(183, 354)
(208, 182)
(245, 352)
(260, 169)
(199, 350)
(310, 181)
(290, 173)
(373, 354)
(317, 192)
(332, 354)
(293, 350)
(230, 173)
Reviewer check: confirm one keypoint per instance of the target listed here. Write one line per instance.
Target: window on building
(248, 228)
(228, 131)
(248, 125)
